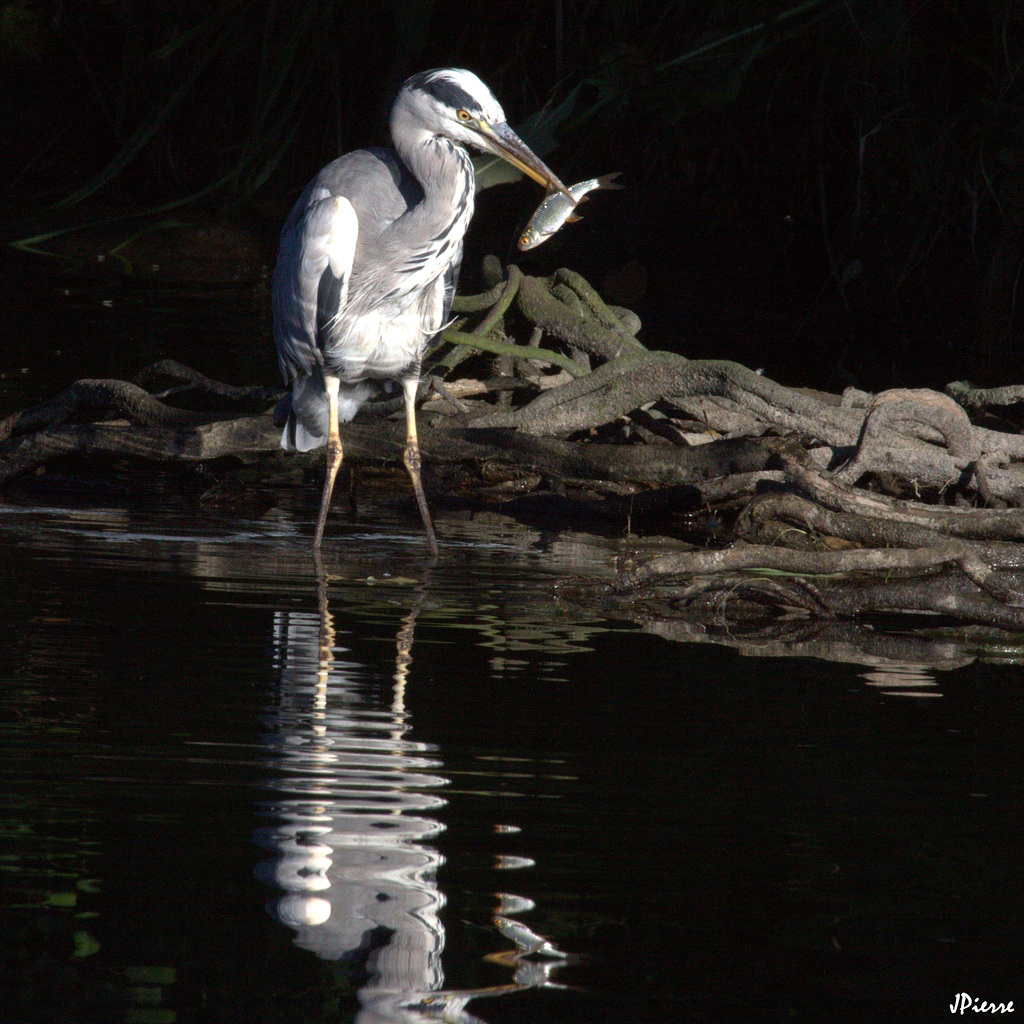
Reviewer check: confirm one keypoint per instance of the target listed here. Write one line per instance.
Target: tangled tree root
(542, 398)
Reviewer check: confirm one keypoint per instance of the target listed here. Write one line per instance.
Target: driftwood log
(541, 401)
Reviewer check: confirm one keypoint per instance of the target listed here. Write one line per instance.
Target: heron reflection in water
(354, 820)
(369, 260)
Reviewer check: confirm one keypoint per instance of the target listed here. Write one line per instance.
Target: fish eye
(525, 240)
(463, 115)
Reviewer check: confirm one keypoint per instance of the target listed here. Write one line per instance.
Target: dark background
(830, 190)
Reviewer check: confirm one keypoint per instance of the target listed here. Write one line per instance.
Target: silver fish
(556, 210)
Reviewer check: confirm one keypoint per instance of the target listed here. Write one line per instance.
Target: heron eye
(463, 115)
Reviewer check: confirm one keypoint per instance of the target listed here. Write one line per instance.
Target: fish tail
(608, 180)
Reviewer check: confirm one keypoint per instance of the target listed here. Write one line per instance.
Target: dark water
(229, 793)
(227, 800)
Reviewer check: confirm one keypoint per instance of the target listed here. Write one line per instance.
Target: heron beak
(504, 142)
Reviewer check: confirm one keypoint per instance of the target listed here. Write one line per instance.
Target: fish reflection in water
(353, 822)
(527, 942)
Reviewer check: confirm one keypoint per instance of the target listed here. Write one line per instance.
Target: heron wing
(333, 221)
(344, 207)
(314, 266)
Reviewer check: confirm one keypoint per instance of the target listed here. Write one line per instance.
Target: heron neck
(445, 173)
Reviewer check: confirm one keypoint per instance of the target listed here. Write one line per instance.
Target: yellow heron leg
(334, 456)
(412, 461)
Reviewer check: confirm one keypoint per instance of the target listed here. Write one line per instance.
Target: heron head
(456, 104)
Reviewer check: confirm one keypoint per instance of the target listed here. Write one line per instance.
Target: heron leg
(334, 456)
(411, 459)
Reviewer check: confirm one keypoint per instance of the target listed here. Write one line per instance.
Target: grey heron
(369, 259)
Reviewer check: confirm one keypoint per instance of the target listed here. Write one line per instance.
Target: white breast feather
(384, 341)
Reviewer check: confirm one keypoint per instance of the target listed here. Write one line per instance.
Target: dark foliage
(846, 174)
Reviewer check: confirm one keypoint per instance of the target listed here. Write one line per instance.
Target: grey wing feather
(331, 295)
(314, 264)
(295, 353)
(451, 283)
(317, 255)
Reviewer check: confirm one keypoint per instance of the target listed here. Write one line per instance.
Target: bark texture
(542, 400)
